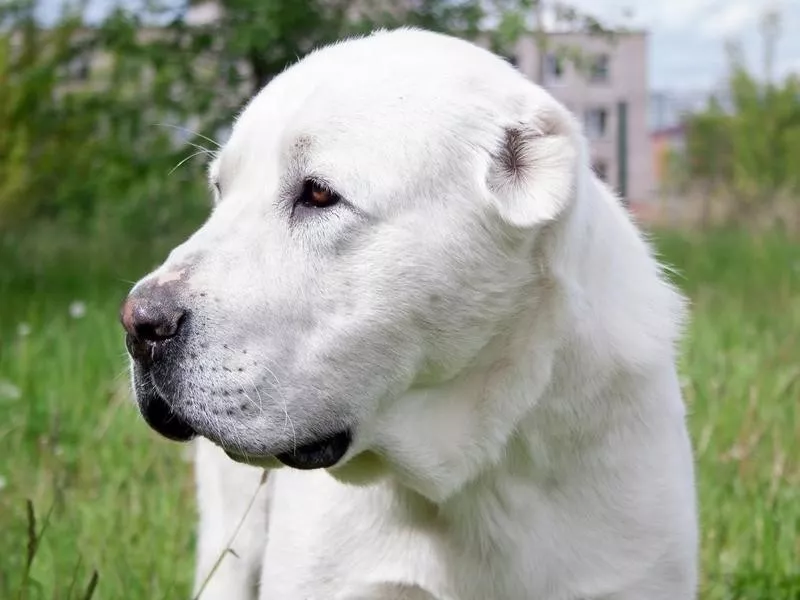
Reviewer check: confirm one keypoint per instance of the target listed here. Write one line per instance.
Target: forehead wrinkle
(294, 168)
(308, 157)
(299, 151)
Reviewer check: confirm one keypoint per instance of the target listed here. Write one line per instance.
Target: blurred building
(604, 81)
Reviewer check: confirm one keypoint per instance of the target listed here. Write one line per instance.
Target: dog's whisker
(191, 156)
(285, 406)
(252, 383)
(212, 153)
(248, 397)
(189, 131)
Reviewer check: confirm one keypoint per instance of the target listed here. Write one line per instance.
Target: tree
(770, 31)
(751, 147)
(81, 103)
(79, 145)
(265, 36)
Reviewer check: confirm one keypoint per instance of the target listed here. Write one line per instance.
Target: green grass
(120, 500)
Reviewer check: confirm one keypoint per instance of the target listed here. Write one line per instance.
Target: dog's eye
(317, 195)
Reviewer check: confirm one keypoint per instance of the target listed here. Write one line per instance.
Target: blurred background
(109, 112)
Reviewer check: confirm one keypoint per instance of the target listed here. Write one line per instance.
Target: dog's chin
(320, 454)
(262, 462)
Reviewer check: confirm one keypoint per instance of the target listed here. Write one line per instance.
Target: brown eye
(317, 195)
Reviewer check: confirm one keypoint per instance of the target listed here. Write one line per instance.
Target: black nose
(150, 320)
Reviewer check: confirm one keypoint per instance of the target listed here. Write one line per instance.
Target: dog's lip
(160, 416)
(322, 453)
(319, 454)
(264, 462)
(158, 412)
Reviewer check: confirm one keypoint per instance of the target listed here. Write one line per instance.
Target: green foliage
(765, 134)
(519, 18)
(263, 37)
(82, 105)
(457, 17)
(751, 150)
(86, 151)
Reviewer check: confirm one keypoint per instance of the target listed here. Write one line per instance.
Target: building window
(599, 68)
(78, 68)
(595, 122)
(553, 67)
(600, 168)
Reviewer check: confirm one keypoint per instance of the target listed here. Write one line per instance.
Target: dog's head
(375, 210)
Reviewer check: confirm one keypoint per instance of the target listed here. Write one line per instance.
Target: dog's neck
(551, 383)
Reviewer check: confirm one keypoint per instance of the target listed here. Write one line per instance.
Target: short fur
(479, 310)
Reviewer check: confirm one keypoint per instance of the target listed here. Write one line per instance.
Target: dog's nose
(150, 320)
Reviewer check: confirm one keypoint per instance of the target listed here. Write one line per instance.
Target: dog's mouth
(159, 414)
(161, 417)
(320, 454)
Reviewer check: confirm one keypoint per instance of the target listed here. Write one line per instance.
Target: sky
(687, 37)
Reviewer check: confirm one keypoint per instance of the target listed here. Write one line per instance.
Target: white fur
(501, 341)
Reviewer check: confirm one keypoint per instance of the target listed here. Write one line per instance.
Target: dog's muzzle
(156, 328)
(153, 322)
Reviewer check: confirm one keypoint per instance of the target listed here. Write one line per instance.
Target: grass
(116, 501)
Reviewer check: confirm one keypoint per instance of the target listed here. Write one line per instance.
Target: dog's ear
(534, 169)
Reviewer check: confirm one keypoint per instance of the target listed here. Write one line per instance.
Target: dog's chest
(331, 541)
(518, 539)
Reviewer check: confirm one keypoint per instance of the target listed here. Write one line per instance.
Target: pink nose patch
(169, 277)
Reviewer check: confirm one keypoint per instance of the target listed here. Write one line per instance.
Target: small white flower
(23, 330)
(8, 391)
(77, 310)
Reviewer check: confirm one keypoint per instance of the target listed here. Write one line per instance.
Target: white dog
(413, 292)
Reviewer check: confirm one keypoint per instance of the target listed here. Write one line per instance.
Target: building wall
(627, 81)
